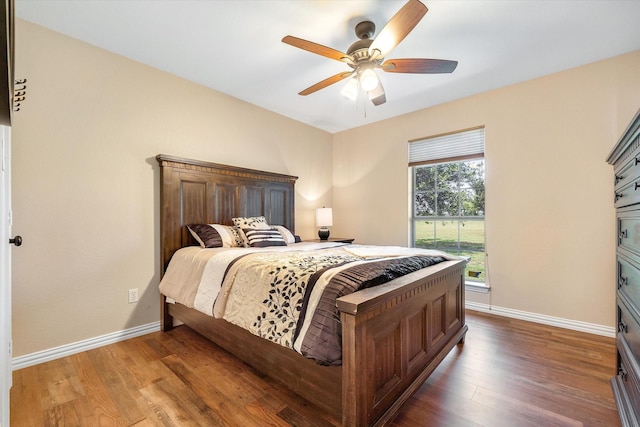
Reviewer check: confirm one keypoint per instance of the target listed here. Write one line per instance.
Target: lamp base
(323, 233)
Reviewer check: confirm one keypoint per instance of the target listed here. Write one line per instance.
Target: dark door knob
(16, 240)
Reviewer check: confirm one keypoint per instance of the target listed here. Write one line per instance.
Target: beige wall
(549, 207)
(85, 180)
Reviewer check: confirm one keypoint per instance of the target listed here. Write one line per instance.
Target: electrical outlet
(133, 295)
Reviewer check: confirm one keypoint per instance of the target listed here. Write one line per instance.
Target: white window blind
(450, 147)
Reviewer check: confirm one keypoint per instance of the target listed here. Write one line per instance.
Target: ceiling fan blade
(419, 66)
(326, 82)
(377, 95)
(397, 28)
(318, 49)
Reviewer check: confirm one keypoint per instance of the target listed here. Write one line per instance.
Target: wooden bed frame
(393, 335)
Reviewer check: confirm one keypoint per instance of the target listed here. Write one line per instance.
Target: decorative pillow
(286, 234)
(231, 235)
(251, 222)
(260, 238)
(205, 235)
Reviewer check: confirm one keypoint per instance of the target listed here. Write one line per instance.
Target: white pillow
(286, 234)
(258, 222)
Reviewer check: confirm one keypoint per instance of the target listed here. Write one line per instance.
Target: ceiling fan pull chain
(365, 105)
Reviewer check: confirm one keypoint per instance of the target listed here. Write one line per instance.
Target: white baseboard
(80, 346)
(574, 325)
(91, 343)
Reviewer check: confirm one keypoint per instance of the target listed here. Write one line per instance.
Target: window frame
(433, 151)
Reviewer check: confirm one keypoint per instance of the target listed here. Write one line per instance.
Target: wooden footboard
(394, 336)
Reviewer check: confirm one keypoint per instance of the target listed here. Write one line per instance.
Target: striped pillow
(260, 238)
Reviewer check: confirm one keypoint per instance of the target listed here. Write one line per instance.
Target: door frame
(5, 276)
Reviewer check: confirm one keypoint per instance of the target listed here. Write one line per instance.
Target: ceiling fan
(367, 54)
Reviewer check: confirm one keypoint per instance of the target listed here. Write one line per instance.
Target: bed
(393, 335)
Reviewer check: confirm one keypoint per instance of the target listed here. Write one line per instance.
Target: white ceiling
(235, 46)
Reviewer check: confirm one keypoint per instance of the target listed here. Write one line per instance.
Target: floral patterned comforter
(287, 294)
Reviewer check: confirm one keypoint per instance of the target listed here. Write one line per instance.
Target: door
(5, 275)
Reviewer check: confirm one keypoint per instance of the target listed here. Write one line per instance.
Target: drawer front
(628, 381)
(629, 282)
(628, 328)
(628, 173)
(629, 231)
(628, 194)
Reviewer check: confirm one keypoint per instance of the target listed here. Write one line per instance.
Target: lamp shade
(368, 80)
(350, 90)
(324, 217)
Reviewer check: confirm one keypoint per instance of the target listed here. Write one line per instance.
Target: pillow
(259, 222)
(260, 238)
(286, 234)
(205, 235)
(250, 222)
(230, 235)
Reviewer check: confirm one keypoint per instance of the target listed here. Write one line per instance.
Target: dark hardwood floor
(508, 373)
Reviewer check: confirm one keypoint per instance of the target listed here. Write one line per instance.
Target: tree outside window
(448, 211)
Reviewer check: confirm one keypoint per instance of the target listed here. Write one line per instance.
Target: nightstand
(333, 239)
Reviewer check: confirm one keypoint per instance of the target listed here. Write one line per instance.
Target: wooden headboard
(196, 192)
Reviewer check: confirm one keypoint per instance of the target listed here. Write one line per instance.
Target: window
(448, 197)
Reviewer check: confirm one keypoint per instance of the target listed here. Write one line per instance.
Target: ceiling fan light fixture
(368, 53)
(368, 79)
(350, 90)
